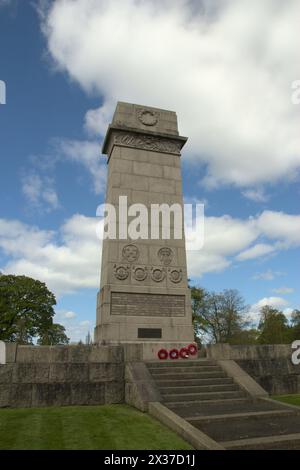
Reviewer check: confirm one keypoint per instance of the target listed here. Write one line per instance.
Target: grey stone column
(144, 295)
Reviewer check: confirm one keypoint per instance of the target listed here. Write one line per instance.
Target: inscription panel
(152, 305)
(149, 333)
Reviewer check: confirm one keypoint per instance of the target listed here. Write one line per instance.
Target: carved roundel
(175, 275)
(130, 253)
(165, 255)
(158, 274)
(121, 272)
(147, 117)
(139, 273)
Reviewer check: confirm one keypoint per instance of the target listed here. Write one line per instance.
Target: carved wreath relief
(131, 254)
(121, 272)
(158, 274)
(139, 273)
(175, 275)
(147, 117)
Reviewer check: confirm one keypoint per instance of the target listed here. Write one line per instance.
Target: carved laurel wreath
(147, 117)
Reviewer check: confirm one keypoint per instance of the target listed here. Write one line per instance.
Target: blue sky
(225, 68)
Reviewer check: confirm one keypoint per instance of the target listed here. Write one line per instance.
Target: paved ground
(202, 393)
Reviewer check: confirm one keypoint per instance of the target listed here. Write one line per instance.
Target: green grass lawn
(290, 399)
(111, 427)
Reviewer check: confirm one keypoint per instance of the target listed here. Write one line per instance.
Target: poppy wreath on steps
(184, 353)
(173, 354)
(162, 354)
(192, 349)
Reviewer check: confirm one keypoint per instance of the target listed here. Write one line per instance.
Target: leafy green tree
(55, 334)
(273, 327)
(219, 317)
(26, 310)
(245, 336)
(295, 326)
(198, 296)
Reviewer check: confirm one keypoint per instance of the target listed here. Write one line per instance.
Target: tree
(295, 326)
(55, 334)
(198, 295)
(273, 326)
(247, 336)
(218, 316)
(26, 311)
(88, 339)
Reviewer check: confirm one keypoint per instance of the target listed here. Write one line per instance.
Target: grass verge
(290, 399)
(110, 427)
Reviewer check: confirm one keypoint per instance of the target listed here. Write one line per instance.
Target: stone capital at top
(135, 119)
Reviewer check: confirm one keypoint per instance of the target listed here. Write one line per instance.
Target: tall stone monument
(144, 296)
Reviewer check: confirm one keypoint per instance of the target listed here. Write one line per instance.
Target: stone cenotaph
(144, 296)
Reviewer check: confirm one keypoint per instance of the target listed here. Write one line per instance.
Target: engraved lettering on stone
(165, 255)
(139, 273)
(175, 275)
(144, 304)
(147, 117)
(121, 272)
(147, 142)
(130, 253)
(158, 274)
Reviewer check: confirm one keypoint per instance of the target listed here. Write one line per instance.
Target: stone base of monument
(163, 351)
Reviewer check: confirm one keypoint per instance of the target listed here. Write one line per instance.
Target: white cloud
(75, 330)
(70, 314)
(65, 266)
(225, 67)
(96, 120)
(88, 154)
(226, 237)
(268, 275)
(40, 192)
(223, 237)
(260, 249)
(256, 195)
(280, 226)
(275, 302)
(288, 312)
(283, 290)
(69, 259)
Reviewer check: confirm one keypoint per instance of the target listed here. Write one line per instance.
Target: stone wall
(35, 376)
(269, 365)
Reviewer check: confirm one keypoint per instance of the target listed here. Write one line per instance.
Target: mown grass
(110, 427)
(290, 399)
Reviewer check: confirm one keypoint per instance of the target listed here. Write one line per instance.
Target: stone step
(251, 427)
(182, 370)
(189, 375)
(175, 405)
(182, 363)
(199, 420)
(197, 389)
(190, 382)
(191, 397)
(277, 442)
(220, 407)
